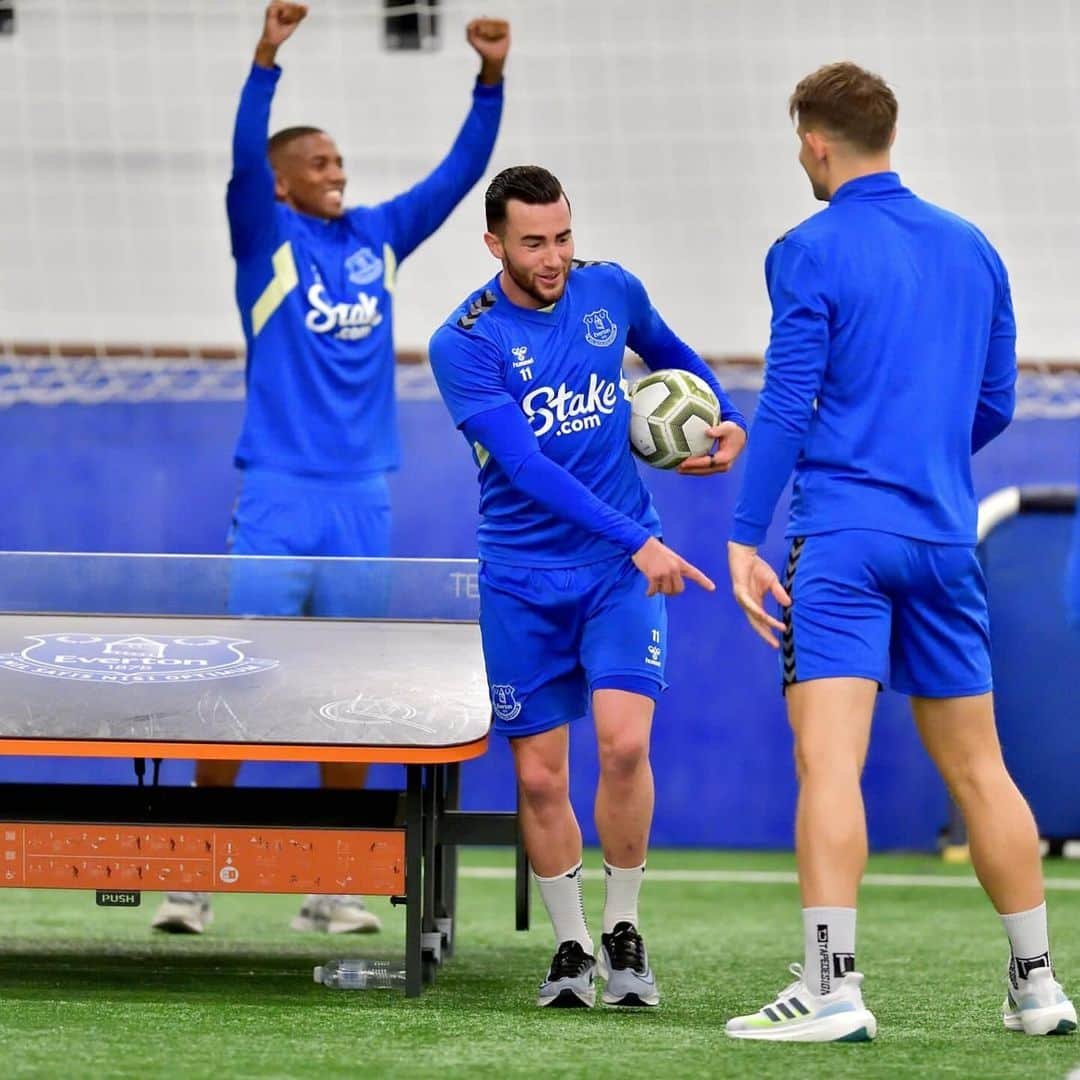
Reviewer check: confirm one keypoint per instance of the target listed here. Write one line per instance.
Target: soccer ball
(669, 412)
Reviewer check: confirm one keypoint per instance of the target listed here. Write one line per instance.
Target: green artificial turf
(86, 991)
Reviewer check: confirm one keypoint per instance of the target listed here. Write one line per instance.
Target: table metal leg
(430, 936)
(448, 860)
(431, 829)
(414, 848)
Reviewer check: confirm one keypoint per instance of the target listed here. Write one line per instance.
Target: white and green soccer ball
(669, 413)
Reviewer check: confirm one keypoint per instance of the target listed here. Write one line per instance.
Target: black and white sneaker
(569, 982)
(624, 965)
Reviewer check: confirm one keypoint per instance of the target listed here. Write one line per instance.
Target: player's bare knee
(974, 779)
(817, 760)
(622, 755)
(542, 783)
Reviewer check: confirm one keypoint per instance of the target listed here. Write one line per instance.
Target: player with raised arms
(315, 286)
(573, 574)
(891, 361)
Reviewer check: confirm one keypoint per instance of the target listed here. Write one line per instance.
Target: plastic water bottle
(361, 975)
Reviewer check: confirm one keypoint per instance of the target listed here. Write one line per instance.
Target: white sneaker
(336, 914)
(800, 1016)
(1037, 1005)
(183, 913)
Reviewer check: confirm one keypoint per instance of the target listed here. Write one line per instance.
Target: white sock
(562, 898)
(829, 938)
(1029, 941)
(621, 888)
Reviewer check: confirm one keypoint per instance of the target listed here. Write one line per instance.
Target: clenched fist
(491, 39)
(282, 19)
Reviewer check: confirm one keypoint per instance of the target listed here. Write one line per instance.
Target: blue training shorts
(910, 614)
(282, 514)
(551, 637)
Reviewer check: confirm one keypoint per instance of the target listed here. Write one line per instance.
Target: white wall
(665, 119)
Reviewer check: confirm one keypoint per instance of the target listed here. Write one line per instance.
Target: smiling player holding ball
(573, 575)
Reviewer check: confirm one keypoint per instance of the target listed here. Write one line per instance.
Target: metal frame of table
(427, 810)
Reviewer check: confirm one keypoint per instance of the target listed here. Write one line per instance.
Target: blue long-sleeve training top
(541, 399)
(891, 360)
(316, 298)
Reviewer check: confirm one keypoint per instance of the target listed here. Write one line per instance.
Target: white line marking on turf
(775, 877)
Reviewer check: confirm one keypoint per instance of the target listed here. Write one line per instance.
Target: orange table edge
(394, 755)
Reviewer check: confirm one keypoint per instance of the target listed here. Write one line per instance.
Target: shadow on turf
(149, 972)
(28, 969)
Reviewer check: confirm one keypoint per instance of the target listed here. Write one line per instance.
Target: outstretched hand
(751, 579)
(665, 569)
(491, 39)
(730, 440)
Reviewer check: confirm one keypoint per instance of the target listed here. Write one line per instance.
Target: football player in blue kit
(315, 288)
(573, 573)
(891, 361)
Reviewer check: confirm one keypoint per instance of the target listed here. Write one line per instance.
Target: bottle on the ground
(361, 975)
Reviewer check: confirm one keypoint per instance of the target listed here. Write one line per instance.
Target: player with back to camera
(315, 288)
(573, 574)
(891, 361)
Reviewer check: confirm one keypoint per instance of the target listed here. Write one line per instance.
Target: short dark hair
(280, 140)
(528, 184)
(848, 101)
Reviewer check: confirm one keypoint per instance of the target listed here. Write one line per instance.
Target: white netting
(73, 380)
(93, 380)
(666, 121)
(1048, 392)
